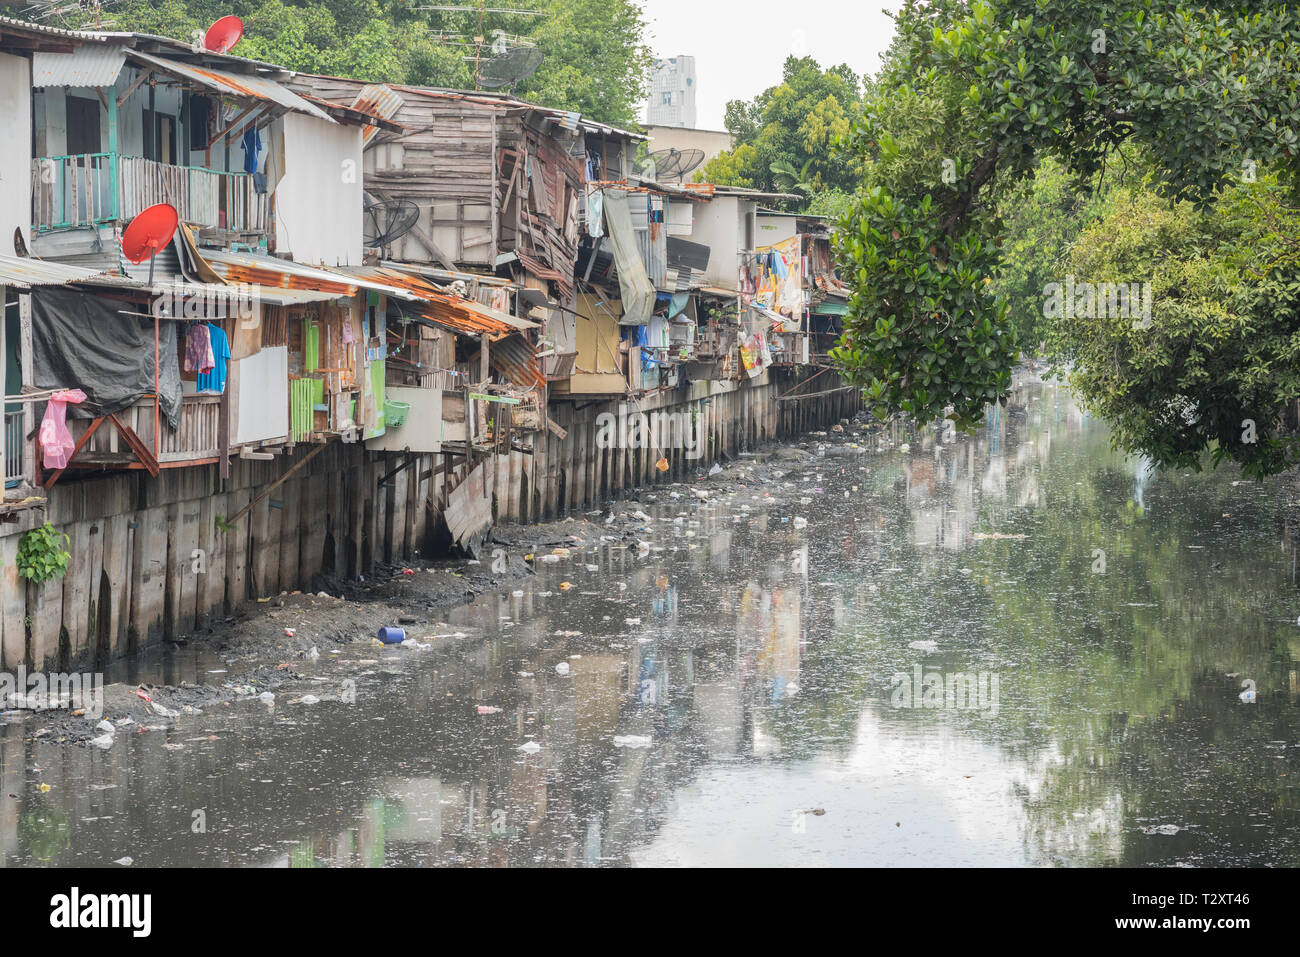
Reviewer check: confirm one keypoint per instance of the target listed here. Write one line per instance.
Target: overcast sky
(739, 47)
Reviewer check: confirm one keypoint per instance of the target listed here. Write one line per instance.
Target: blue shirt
(214, 380)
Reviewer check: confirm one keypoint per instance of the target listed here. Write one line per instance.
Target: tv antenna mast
(513, 58)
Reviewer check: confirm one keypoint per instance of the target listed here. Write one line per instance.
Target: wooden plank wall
(149, 560)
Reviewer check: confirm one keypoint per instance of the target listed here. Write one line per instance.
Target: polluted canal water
(1012, 648)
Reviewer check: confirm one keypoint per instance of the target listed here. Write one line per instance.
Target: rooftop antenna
(504, 66)
(83, 14)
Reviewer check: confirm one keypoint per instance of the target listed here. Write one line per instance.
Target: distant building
(672, 92)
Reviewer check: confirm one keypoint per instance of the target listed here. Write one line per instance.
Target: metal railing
(13, 447)
(90, 188)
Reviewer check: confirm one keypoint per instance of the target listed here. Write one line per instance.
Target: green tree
(1042, 217)
(785, 137)
(1218, 366)
(972, 97)
(595, 60)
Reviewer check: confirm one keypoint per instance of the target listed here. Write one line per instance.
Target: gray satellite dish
(507, 69)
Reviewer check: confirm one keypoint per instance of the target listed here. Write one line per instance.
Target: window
(667, 99)
(83, 125)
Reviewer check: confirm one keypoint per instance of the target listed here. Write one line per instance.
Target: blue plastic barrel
(391, 635)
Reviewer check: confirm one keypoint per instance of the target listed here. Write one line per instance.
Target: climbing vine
(42, 554)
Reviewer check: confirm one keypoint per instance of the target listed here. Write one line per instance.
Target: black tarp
(80, 341)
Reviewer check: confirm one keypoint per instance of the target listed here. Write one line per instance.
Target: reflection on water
(734, 696)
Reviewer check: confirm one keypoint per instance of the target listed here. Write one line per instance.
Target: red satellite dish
(149, 233)
(223, 34)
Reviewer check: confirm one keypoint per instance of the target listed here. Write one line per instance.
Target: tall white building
(672, 93)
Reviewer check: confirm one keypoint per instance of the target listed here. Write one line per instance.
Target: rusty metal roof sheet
(442, 308)
(446, 308)
(516, 359)
(275, 273)
(377, 100)
(233, 84)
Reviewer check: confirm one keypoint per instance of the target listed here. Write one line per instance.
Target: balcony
(195, 441)
(89, 189)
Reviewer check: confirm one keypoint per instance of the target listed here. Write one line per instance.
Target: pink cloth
(56, 440)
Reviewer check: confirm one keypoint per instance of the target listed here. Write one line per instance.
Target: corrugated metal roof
(26, 273)
(253, 87)
(448, 309)
(185, 50)
(448, 275)
(292, 297)
(428, 291)
(377, 100)
(515, 358)
(85, 66)
(282, 274)
(22, 26)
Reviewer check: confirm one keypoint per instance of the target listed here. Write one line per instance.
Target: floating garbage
(530, 747)
(562, 668)
(125, 861)
(104, 741)
(106, 727)
(1167, 829)
(418, 646)
(928, 646)
(631, 741)
(391, 635)
(266, 697)
(289, 632)
(488, 709)
(716, 469)
(1247, 696)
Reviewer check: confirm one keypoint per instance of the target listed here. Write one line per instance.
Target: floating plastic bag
(56, 440)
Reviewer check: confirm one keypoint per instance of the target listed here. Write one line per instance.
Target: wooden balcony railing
(195, 440)
(90, 188)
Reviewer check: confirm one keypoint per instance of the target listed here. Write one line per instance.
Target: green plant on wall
(42, 554)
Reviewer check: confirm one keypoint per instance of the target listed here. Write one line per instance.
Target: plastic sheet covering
(80, 341)
(638, 294)
(56, 440)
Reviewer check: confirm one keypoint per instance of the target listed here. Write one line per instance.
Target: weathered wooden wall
(150, 561)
